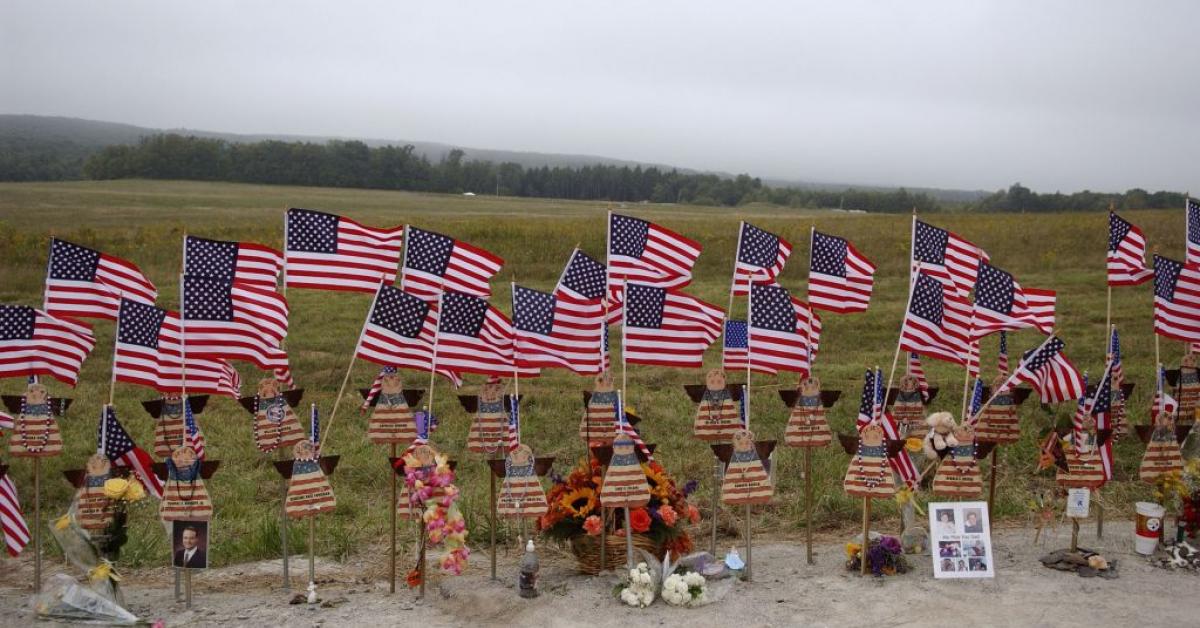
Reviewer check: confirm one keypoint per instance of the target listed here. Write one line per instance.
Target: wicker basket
(587, 551)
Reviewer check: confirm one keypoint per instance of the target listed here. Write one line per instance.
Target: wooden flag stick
(492, 521)
(866, 529)
(718, 476)
(749, 547)
(808, 497)
(628, 540)
(37, 524)
(312, 563)
(992, 480)
(283, 534)
(392, 520)
(350, 369)
(187, 588)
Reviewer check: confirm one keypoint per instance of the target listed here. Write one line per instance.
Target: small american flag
(1114, 350)
(434, 263)
(937, 323)
(194, 435)
(946, 256)
(1102, 401)
(625, 427)
(840, 279)
(646, 253)
(867, 410)
(85, 283)
(1049, 372)
(474, 337)
(114, 442)
(760, 258)
(329, 252)
(1002, 356)
(1002, 304)
(514, 423)
(667, 327)
(314, 425)
(976, 406)
(247, 262)
(1176, 299)
(916, 370)
(149, 352)
(870, 410)
(12, 519)
(1126, 253)
(235, 321)
(557, 331)
(734, 346)
(782, 331)
(1163, 401)
(400, 332)
(1193, 231)
(33, 342)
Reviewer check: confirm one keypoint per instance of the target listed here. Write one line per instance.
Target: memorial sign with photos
(961, 540)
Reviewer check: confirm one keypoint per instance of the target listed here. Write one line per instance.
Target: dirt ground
(786, 591)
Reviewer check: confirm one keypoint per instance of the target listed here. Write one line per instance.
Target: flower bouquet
(638, 587)
(574, 516)
(685, 589)
(885, 556)
(433, 494)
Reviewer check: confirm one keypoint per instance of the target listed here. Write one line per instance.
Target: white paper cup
(1149, 527)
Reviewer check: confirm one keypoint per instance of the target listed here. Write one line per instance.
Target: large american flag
(399, 332)
(734, 345)
(760, 258)
(114, 442)
(149, 352)
(643, 252)
(557, 331)
(475, 337)
(667, 327)
(12, 519)
(945, 256)
(434, 262)
(1002, 304)
(1193, 231)
(938, 322)
(1176, 299)
(583, 279)
(783, 332)
(239, 261)
(85, 283)
(1126, 253)
(329, 252)
(33, 342)
(235, 321)
(1049, 372)
(840, 279)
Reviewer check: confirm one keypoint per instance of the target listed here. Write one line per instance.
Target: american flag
(867, 410)
(235, 321)
(1101, 408)
(734, 345)
(400, 332)
(194, 435)
(643, 252)
(1002, 356)
(1114, 351)
(938, 322)
(916, 370)
(314, 425)
(85, 283)
(1193, 232)
(625, 427)
(329, 252)
(149, 352)
(976, 406)
(1126, 253)
(583, 280)
(376, 387)
(434, 262)
(474, 337)
(514, 422)
(12, 519)
(1163, 401)
(1176, 299)
(557, 331)
(840, 279)
(237, 261)
(870, 409)
(114, 442)
(667, 327)
(946, 256)
(783, 331)
(1002, 304)
(33, 342)
(1049, 372)
(760, 258)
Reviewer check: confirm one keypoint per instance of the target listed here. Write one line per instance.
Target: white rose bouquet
(639, 587)
(688, 589)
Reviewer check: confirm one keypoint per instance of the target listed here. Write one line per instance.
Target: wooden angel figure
(807, 425)
(625, 483)
(1188, 389)
(1162, 451)
(184, 496)
(599, 422)
(309, 493)
(392, 420)
(718, 416)
(489, 427)
(908, 408)
(746, 479)
(1082, 454)
(93, 509)
(35, 428)
(169, 429)
(999, 422)
(869, 474)
(521, 495)
(958, 475)
(275, 423)
(422, 457)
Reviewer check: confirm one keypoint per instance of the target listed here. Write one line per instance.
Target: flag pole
(349, 369)
(746, 404)
(437, 332)
(912, 282)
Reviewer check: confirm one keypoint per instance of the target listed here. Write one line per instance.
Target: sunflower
(579, 502)
(660, 484)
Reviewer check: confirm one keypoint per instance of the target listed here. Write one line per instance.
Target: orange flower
(693, 514)
(414, 579)
(680, 545)
(639, 520)
(591, 525)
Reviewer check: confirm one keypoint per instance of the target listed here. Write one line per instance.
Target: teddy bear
(940, 435)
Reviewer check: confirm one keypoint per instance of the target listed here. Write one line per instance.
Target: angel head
(172, 405)
(304, 450)
(810, 386)
(964, 434)
(1189, 360)
(492, 391)
(268, 388)
(623, 445)
(999, 381)
(909, 383)
(390, 383)
(715, 379)
(872, 435)
(604, 382)
(98, 465)
(35, 394)
(521, 456)
(183, 457)
(743, 440)
(425, 455)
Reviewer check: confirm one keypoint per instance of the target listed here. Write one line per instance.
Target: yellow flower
(102, 572)
(852, 550)
(115, 488)
(913, 444)
(659, 483)
(579, 502)
(62, 522)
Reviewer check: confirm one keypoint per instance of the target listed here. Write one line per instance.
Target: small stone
(299, 598)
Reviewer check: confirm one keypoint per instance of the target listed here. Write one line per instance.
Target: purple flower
(690, 487)
(891, 544)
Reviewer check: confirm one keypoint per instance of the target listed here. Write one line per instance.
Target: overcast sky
(1057, 95)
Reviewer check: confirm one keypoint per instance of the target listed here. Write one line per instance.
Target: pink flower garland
(444, 523)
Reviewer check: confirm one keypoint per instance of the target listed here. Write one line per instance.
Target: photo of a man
(972, 523)
(190, 544)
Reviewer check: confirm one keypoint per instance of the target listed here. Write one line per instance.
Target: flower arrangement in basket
(574, 516)
(1183, 487)
(885, 556)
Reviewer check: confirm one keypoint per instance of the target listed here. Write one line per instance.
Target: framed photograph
(189, 544)
(961, 538)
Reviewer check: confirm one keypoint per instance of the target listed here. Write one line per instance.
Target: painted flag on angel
(784, 332)
(246, 262)
(760, 258)
(1176, 299)
(735, 343)
(945, 256)
(12, 518)
(85, 283)
(938, 322)
(115, 443)
(1002, 304)
(840, 279)
(33, 342)
(1193, 231)
(235, 321)
(642, 252)
(667, 327)
(553, 330)
(1048, 371)
(916, 370)
(475, 337)
(434, 263)
(1126, 253)
(399, 332)
(149, 352)
(330, 252)
(1002, 354)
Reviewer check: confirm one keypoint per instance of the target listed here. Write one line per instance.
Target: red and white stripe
(666, 261)
(843, 295)
(1127, 263)
(902, 463)
(950, 341)
(469, 271)
(1057, 381)
(744, 274)
(772, 351)
(162, 368)
(259, 325)
(689, 326)
(365, 256)
(489, 353)
(12, 519)
(381, 346)
(916, 370)
(1030, 308)
(576, 341)
(58, 349)
(1178, 316)
(101, 298)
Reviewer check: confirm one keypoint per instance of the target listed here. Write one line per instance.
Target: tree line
(1018, 198)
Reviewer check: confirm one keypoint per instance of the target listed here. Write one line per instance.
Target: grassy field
(144, 221)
